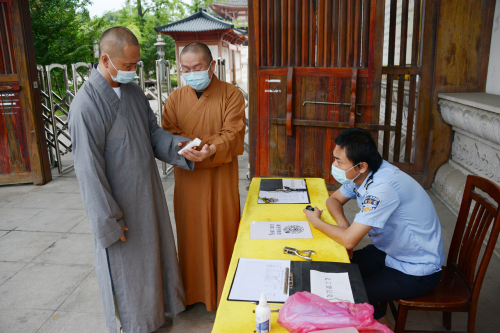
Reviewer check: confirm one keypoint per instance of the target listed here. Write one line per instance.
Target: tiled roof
(240, 31)
(201, 21)
(235, 3)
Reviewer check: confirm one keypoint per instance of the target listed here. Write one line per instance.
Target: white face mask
(198, 80)
(340, 175)
(122, 76)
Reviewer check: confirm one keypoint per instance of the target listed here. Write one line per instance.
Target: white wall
(225, 56)
(493, 78)
(244, 55)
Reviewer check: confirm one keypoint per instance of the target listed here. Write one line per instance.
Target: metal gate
(59, 109)
(163, 71)
(56, 97)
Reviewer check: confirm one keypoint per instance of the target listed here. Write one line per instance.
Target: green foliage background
(62, 31)
(65, 33)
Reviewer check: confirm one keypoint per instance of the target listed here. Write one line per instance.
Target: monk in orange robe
(206, 200)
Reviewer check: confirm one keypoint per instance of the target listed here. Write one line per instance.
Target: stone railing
(475, 118)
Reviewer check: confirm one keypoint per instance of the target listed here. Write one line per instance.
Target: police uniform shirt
(404, 221)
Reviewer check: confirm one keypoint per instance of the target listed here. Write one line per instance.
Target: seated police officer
(407, 254)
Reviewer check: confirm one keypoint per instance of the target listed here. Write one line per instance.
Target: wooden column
(461, 33)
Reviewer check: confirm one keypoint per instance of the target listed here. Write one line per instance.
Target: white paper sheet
(294, 197)
(334, 287)
(295, 184)
(280, 230)
(256, 276)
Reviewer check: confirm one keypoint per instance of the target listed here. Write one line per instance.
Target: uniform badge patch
(370, 202)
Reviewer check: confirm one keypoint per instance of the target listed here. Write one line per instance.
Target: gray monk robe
(115, 142)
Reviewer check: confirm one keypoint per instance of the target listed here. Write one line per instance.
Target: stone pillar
(160, 44)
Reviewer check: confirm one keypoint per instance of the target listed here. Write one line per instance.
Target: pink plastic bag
(305, 312)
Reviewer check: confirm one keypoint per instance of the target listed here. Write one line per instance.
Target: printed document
(256, 276)
(280, 230)
(295, 184)
(334, 287)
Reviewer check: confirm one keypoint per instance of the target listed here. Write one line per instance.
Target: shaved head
(200, 49)
(114, 40)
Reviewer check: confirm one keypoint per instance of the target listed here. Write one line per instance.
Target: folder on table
(302, 281)
(281, 184)
(273, 188)
(280, 279)
(271, 184)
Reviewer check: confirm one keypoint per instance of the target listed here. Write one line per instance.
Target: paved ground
(47, 277)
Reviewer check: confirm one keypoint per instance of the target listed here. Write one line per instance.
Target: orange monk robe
(206, 200)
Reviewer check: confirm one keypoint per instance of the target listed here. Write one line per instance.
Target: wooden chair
(458, 290)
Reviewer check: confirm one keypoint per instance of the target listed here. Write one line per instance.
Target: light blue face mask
(340, 175)
(122, 76)
(197, 80)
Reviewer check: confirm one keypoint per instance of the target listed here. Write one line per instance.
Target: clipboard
(298, 279)
(271, 184)
(274, 185)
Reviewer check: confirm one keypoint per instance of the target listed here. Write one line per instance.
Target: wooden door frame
(27, 76)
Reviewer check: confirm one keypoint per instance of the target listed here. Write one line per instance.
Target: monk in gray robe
(115, 139)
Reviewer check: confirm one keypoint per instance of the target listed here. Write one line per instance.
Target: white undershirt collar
(117, 90)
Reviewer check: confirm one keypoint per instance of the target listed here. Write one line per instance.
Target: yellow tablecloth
(238, 317)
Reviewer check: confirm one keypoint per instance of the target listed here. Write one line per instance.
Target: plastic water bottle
(263, 315)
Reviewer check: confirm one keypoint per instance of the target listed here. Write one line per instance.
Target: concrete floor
(47, 278)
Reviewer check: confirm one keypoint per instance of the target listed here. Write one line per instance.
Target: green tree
(141, 17)
(195, 5)
(63, 31)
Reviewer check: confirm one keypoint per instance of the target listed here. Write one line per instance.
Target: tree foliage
(65, 33)
(141, 17)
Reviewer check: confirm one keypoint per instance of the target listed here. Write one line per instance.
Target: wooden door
(315, 76)
(23, 150)
(384, 61)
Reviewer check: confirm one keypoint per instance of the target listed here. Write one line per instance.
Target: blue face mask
(122, 76)
(340, 175)
(197, 80)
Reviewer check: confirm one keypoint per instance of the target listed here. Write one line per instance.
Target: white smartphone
(195, 143)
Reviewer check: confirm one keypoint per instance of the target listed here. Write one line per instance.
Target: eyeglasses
(193, 71)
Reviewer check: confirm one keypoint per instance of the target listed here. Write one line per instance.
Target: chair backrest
(476, 216)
